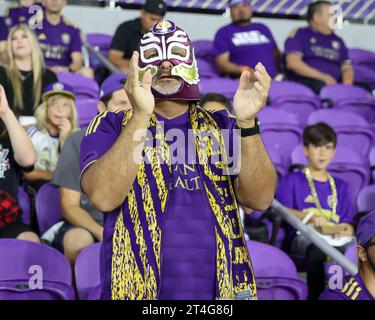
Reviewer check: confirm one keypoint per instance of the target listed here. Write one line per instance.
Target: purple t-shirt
(294, 192)
(188, 268)
(247, 45)
(21, 14)
(353, 289)
(3, 30)
(59, 42)
(326, 53)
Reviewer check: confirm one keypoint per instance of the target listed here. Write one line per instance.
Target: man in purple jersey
(315, 191)
(171, 224)
(60, 41)
(242, 44)
(29, 12)
(315, 55)
(3, 40)
(362, 285)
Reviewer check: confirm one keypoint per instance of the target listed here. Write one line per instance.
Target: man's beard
(166, 90)
(241, 21)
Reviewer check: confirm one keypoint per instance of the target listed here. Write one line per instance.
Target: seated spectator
(83, 223)
(215, 102)
(56, 120)
(242, 44)
(60, 41)
(3, 41)
(24, 12)
(315, 55)
(315, 190)
(25, 75)
(362, 285)
(128, 35)
(17, 155)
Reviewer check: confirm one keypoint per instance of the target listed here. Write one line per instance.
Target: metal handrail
(310, 233)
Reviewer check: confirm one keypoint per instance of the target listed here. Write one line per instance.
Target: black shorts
(58, 242)
(13, 230)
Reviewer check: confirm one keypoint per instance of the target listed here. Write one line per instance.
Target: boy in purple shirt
(60, 41)
(26, 11)
(315, 190)
(315, 55)
(362, 285)
(242, 44)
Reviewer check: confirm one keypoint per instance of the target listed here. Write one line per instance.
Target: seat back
(48, 208)
(366, 198)
(228, 87)
(24, 202)
(87, 270)
(87, 109)
(83, 86)
(281, 288)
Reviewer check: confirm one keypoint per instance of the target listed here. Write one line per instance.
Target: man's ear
(361, 254)
(305, 150)
(101, 107)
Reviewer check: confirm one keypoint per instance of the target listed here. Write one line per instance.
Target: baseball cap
(158, 7)
(366, 228)
(232, 3)
(112, 84)
(58, 88)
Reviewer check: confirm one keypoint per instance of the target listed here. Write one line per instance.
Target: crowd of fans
(40, 135)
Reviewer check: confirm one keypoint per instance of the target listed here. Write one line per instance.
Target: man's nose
(166, 65)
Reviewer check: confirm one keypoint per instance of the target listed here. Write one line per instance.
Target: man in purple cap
(160, 174)
(83, 223)
(315, 55)
(128, 34)
(362, 285)
(25, 11)
(3, 40)
(242, 44)
(60, 41)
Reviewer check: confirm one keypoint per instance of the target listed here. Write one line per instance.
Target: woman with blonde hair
(56, 120)
(25, 75)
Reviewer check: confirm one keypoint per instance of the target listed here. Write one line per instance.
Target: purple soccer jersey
(247, 45)
(188, 269)
(326, 53)
(353, 289)
(21, 14)
(59, 42)
(3, 30)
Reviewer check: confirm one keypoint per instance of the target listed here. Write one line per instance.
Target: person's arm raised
(109, 179)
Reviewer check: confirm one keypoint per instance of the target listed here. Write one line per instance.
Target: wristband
(248, 132)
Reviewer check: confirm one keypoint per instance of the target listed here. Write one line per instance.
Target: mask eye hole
(178, 51)
(150, 53)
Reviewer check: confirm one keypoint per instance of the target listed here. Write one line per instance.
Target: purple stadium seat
(206, 69)
(48, 208)
(87, 109)
(277, 160)
(18, 258)
(372, 163)
(225, 86)
(24, 202)
(294, 98)
(346, 165)
(362, 57)
(353, 131)
(362, 73)
(269, 261)
(366, 198)
(281, 131)
(281, 288)
(100, 42)
(87, 271)
(83, 86)
(203, 49)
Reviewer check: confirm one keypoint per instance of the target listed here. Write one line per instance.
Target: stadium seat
(225, 86)
(87, 272)
(24, 202)
(100, 42)
(372, 163)
(47, 205)
(294, 98)
(20, 260)
(83, 86)
(203, 50)
(206, 69)
(269, 261)
(87, 109)
(281, 131)
(281, 288)
(350, 98)
(366, 198)
(362, 57)
(277, 160)
(353, 131)
(346, 165)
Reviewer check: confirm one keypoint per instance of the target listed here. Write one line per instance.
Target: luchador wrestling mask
(166, 42)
